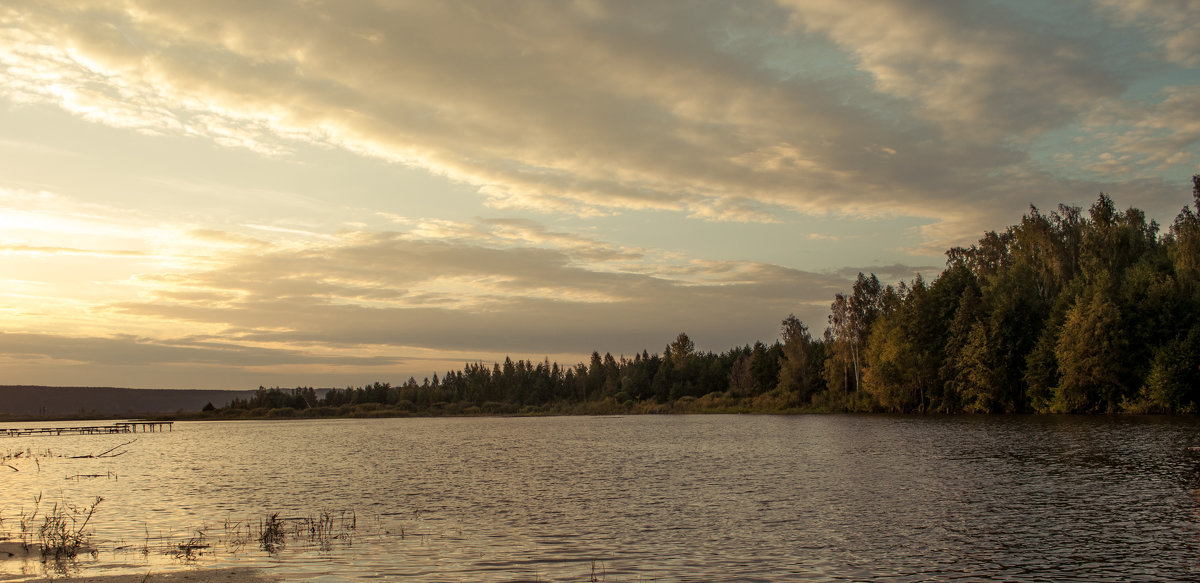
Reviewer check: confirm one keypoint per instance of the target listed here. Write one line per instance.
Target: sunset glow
(215, 195)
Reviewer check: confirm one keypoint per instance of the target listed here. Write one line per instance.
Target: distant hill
(24, 401)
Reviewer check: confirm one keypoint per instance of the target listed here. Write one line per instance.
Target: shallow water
(677, 498)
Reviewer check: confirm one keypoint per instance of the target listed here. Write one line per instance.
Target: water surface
(676, 498)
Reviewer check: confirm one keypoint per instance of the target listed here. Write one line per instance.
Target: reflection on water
(729, 498)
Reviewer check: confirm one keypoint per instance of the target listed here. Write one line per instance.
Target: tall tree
(850, 320)
(979, 381)
(795, 369)
(1091, 376)
(681, 349)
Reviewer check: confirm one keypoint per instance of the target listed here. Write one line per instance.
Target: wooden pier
(122, 427)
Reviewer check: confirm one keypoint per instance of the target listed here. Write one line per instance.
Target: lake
(638, 498)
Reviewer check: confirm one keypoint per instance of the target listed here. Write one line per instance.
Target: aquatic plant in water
(322, 529)
(64, 530)
(270, 533)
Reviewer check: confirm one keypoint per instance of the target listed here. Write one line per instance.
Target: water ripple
(728, 498)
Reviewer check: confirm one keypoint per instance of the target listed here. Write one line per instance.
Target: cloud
(394, 289)
(50, 225)
(125, 350)
(1169, 24)
(135, 361)
(526, 232)
(42, 150)
(943, 117)
(1148, 137)
(226, 239)
(239, 310)
(718, 111)
(982, 72)
(45, 250)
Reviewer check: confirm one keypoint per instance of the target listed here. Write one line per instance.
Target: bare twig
(118, 447)
(105, 453)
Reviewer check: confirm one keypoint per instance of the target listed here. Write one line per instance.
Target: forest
(1063, 312)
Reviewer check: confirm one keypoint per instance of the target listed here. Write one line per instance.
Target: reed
(270, 533)
(322, 529)
(237, 535)
(26, 521)
(64, 530)
(13, 459)
(193, 548)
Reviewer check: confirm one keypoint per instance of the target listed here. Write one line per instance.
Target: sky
(228, 194)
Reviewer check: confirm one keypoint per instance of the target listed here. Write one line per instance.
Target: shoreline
(217, 575)
(10, 550)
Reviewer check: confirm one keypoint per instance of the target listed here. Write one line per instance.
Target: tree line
(1064, 312)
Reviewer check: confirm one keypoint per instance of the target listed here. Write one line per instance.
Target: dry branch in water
(106, 453)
